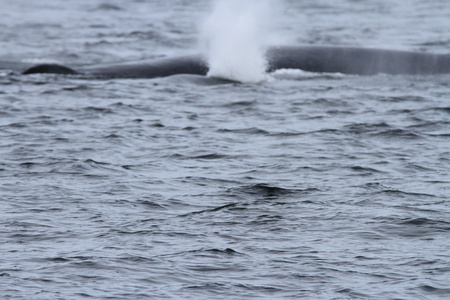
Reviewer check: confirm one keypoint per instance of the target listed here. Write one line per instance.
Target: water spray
(234, 39)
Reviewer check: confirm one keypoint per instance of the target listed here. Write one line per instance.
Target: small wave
(88, 167)
(416, 227)
(436, 224)
(251, 130)
(445, 43)
(365, 171)
(383, 130)
(240, 104)
(148, 34)
(17, 125)
(380, 188)
(269, 191)
(358, 128)
(406, 98)
(214, 209)
(206, 156)
(98, 109)
(435, 290)
(152, 204)
(399, 133)
(442, 109)
(107, 7)
(215, 252)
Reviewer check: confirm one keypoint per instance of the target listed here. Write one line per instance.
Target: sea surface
(303, 186)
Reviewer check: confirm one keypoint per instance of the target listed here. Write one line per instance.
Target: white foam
(296, 74)
(234, 39)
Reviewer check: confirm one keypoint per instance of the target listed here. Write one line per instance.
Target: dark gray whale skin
(346, 60)
(360, 61)
(162, 67)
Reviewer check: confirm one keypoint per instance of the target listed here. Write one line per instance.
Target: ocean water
(303, 186)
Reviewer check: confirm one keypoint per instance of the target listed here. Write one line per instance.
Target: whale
(322, 59)
(358, 61)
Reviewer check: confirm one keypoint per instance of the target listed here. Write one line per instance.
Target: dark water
(312, 186)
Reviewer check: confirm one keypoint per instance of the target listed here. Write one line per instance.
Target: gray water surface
(306, 186)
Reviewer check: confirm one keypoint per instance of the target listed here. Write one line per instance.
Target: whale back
(163, 67)
(360, 61)
(49, 68)
(346, 60)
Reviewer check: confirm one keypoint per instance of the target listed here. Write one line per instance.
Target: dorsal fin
(50, 69)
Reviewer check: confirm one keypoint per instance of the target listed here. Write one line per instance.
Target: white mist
(234, 39)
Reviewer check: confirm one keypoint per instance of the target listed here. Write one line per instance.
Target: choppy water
(313, 186)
